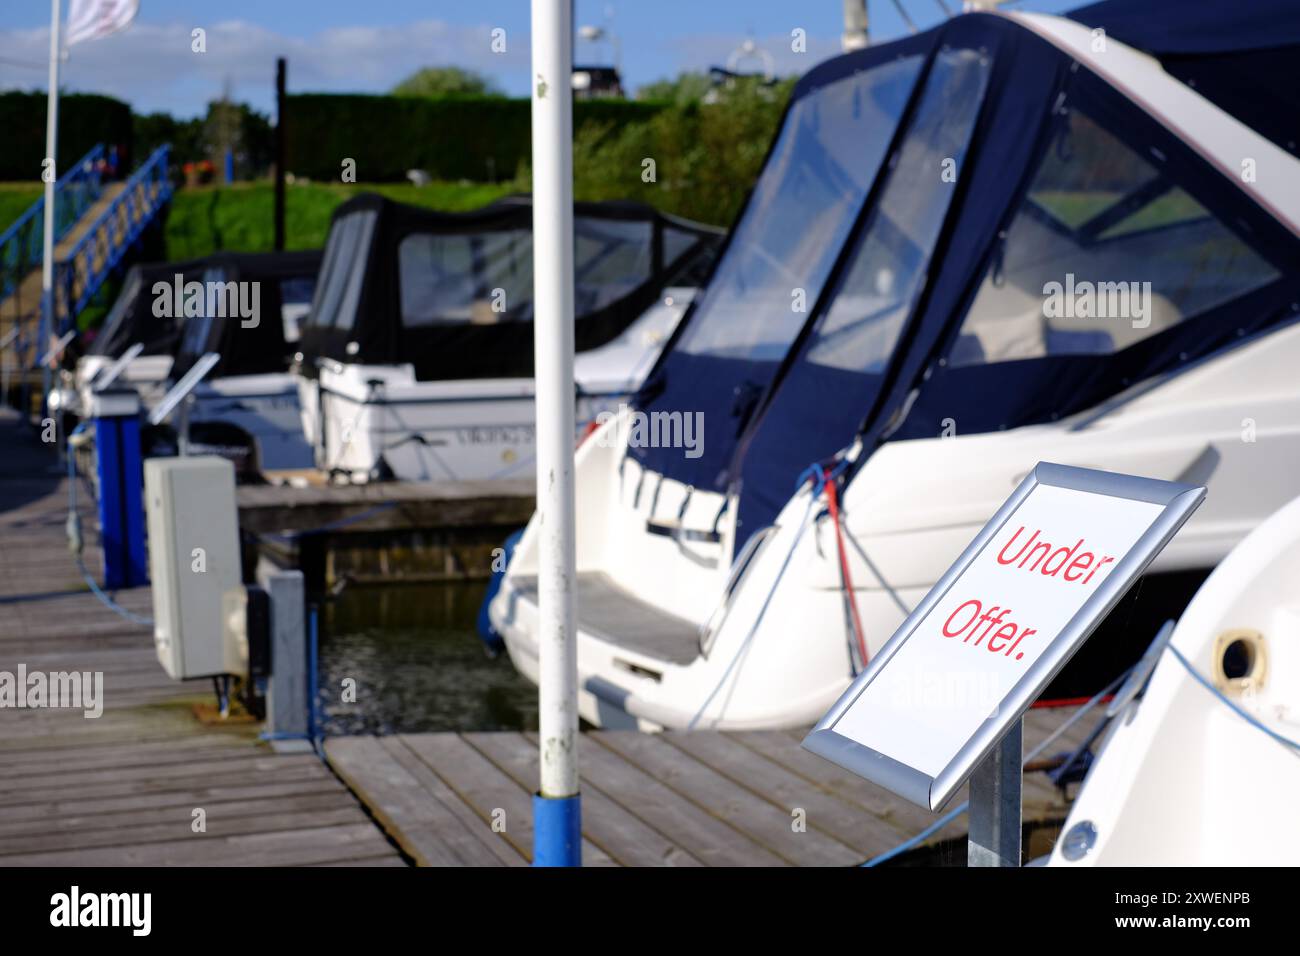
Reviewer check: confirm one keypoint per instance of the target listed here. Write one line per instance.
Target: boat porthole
(1079, 841)
(1240, 660)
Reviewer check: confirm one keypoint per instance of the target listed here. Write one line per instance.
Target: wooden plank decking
(122, 789)
(697, 798)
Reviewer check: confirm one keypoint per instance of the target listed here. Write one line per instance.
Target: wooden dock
(690, 798)
(384, 506)
(122, 789)
(389, 532)
(126, 788)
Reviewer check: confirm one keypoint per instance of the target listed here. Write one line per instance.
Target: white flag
(92, 19)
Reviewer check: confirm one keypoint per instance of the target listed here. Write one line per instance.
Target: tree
(685, 88)
(446, 81)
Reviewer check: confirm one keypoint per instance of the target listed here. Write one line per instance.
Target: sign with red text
(987, 639)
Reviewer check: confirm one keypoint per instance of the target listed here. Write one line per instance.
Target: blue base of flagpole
(557, 830)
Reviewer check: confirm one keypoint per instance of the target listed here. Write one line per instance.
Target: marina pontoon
(416, 360)
(1009, 239)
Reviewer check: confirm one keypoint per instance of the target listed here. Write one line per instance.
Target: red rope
(1049, 702)
(587, 432)
(832, 502)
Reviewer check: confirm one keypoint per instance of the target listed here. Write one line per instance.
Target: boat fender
(492, 639)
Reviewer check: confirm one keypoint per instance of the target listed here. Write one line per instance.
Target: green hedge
(482, 138)
(84, 120)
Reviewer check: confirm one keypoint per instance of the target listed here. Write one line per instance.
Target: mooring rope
(75, 543)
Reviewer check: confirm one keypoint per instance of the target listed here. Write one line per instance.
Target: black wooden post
(280, 149)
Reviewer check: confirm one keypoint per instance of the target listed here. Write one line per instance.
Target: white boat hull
(1183, 780)
(779, 657)
(470, 429)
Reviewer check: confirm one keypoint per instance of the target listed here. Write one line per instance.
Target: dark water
(418, 664)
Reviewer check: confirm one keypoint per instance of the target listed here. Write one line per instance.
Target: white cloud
(151, 66)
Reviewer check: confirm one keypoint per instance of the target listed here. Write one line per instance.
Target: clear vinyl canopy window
(1105, 250)
(485, 277)
(829, 152)
(197, 329)
(888, 269)
(453, 278)
(611, 258)
(343, 268)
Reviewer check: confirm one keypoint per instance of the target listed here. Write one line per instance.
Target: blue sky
(369, 45)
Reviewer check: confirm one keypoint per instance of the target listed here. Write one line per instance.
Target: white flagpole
(46, 325)
(557, 838)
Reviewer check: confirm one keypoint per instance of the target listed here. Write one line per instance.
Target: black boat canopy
(452, 293)
(131, 318)
(915, 256)
(184, 325)
(245, 324)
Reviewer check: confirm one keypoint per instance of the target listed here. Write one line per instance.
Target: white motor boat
(1203, 768)
(1011, 243)
(416, 358)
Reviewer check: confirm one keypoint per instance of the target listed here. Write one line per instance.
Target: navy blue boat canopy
(1024, 244)
(1240, 54)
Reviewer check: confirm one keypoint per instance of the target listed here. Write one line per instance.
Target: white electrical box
(193, 561)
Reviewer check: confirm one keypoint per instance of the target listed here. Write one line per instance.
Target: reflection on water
(418, 664)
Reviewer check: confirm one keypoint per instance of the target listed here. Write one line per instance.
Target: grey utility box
(193, 562)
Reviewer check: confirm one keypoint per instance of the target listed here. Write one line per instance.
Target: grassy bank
(207, 219)
(14, 200)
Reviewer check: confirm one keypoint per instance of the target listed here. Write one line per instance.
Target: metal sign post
(942, 702)
(994, 812)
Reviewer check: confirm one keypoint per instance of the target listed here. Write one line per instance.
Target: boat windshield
(483, 277)
(343, 270)
(1106, 250)
(803, 206)
(118, 333)
(889, 266)
(831, 384)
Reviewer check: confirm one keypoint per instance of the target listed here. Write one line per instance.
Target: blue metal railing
(80, 273)
(21, 244)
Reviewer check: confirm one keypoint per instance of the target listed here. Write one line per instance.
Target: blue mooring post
(116, 415)
(557, 831)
